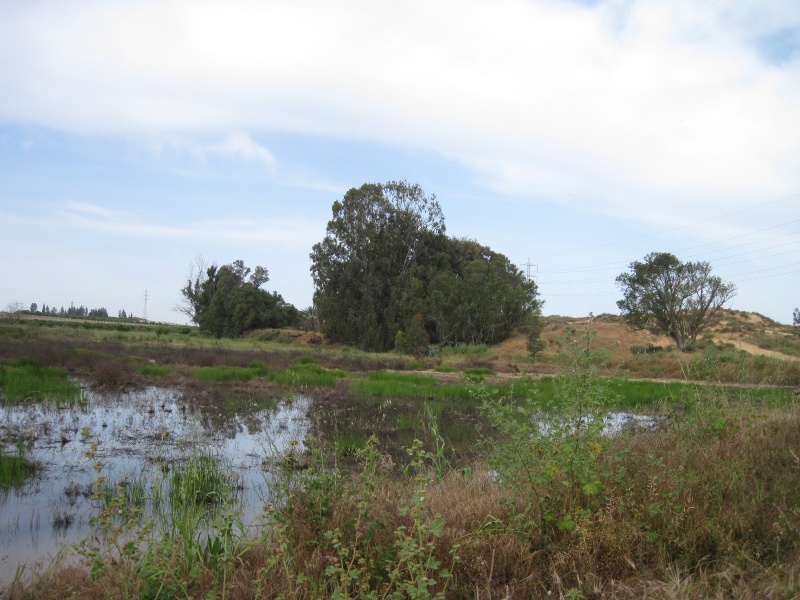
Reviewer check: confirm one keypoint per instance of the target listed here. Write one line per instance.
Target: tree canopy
(385, 263)
(663, 294)
(226, 302)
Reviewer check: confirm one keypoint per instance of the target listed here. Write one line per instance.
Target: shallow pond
(144, 435)
(140, 434)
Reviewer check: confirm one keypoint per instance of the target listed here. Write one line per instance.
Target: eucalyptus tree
(372, 244)
(386, 265)
(226, 301)
(664, 295)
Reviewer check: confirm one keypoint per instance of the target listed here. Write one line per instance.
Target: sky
(575, 137)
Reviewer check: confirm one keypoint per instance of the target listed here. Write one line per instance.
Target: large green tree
(480, 298)
(385, 263)
(664, 295)
(371, 246)
(229, 300)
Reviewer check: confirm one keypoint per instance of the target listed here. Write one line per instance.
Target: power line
(641, 237)
(616, 264)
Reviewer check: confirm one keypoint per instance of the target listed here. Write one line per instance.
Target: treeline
(386, 276)
(73, 311)
(386, 273)
(226, 301)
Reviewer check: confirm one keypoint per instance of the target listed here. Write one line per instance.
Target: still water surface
(139, 434)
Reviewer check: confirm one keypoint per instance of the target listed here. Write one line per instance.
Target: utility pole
(528, 266)
(144, 313)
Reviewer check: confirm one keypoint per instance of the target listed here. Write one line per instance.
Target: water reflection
(140, 433)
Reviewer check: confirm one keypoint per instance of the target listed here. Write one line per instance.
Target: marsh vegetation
(181, 466)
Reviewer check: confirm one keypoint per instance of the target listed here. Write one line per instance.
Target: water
(143, 433)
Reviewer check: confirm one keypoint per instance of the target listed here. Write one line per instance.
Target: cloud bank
(654, 110)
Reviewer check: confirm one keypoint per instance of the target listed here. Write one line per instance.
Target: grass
(480, 371)
(786, 344)
(466, 350)
(155, 370)
(704, 505)
(348, 443)
(306, 374)
(23, 380)
(398, 385)
(15, 468)
(200, 481)
(693, 509)
(223, 373)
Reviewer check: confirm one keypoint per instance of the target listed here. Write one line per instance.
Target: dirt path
(755, 350)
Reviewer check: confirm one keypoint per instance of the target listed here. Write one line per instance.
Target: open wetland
(146, 471)
(141, 438)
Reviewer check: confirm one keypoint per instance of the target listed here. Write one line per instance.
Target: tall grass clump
(381, 383)
(200, 481)
(223, 373)
(22, 380)
(15, 468)
(466, 349)
(155, 370)
(190, 539)
(307, 374)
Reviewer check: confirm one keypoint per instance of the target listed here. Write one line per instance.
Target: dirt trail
(753, 349)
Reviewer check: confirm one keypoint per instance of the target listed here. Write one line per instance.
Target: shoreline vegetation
(528, 497)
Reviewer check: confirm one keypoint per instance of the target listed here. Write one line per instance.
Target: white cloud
(290, 234)
(617, 106)
(237, 146)
(91, 210)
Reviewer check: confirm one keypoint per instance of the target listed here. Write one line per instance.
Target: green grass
(200, 481)
(155, 370)
(380, 383)
(132, 489)
(348, 443)
(405, 422)
(466, 349)
(479, 371)
(24, 380)
(624, 393)
(207, 374)
(306, 374)
(15, 468)
(445, 369)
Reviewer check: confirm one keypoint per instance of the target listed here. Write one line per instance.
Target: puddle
(143, 432)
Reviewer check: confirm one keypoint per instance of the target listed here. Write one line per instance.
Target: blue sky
(137, 136)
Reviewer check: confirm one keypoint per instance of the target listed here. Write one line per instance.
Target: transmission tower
(528, 266)
(144, 312)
